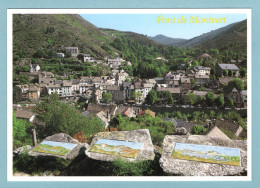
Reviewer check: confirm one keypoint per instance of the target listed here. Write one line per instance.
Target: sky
(147, 23)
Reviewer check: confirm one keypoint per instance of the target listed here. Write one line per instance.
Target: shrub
(198, 129)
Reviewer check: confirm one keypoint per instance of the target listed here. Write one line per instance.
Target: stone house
(26, 115)
(54, 88)
(201, 79)
(121, 77)
(66, 88)
(176, 92)
(239, 98)
(220, 68)
(128, 90)
(74, 51)
(20, 92)
(117, 93)
(200, 70)
(75, 86)
(34, 92)
(185, 85)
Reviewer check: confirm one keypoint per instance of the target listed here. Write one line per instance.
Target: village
(90, 101)
(120, 92)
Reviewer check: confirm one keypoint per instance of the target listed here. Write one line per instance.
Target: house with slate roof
(220, 68)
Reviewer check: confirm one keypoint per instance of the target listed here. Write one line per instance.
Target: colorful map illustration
(116, 147)
(208, 154)
(55, 148)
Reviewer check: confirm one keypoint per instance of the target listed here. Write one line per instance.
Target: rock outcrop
(195, 168)
(62, 137)
(20, 150)
(138, 136)
(180, 131)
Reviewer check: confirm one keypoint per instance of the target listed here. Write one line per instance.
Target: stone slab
(62, 137)
(138, 136)
(196, 168)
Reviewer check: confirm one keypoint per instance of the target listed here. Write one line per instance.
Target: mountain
(234, 38)
(54, 32)
(32, 32)
(162, 39)
(235, 32)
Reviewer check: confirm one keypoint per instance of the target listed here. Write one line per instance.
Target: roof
(66, 83)
(48, 73)
(234, 90)
(174, 82)
(127, 84)
(24, 114)
(185, 80)
(147, 85)
(170, 119)
(205, 55)
(217, 133)
(54, 85)
(34, 65)
(70, 47)
(151, 113)
(203, 68)
(34, 87)
(95, 108)
(202, 76)
(171, 90)
(150, 81)
(75, 81)
(113, 88)
(188, 126)
(199, 93)
(225, 80)
(228, 66)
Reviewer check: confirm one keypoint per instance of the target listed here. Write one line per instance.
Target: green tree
(225, 72)
(229, 102)
(210, 97)
(193, 82)
(19, 128)
(242, 72)
(230, 73)
(137, 96)
(39, 54)
(220, 101)
(198, 129)
(151, 98)
(191, 98)
(237, 83)
(106, 97)
(60, 117)
(24, 79)
(168, 97)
